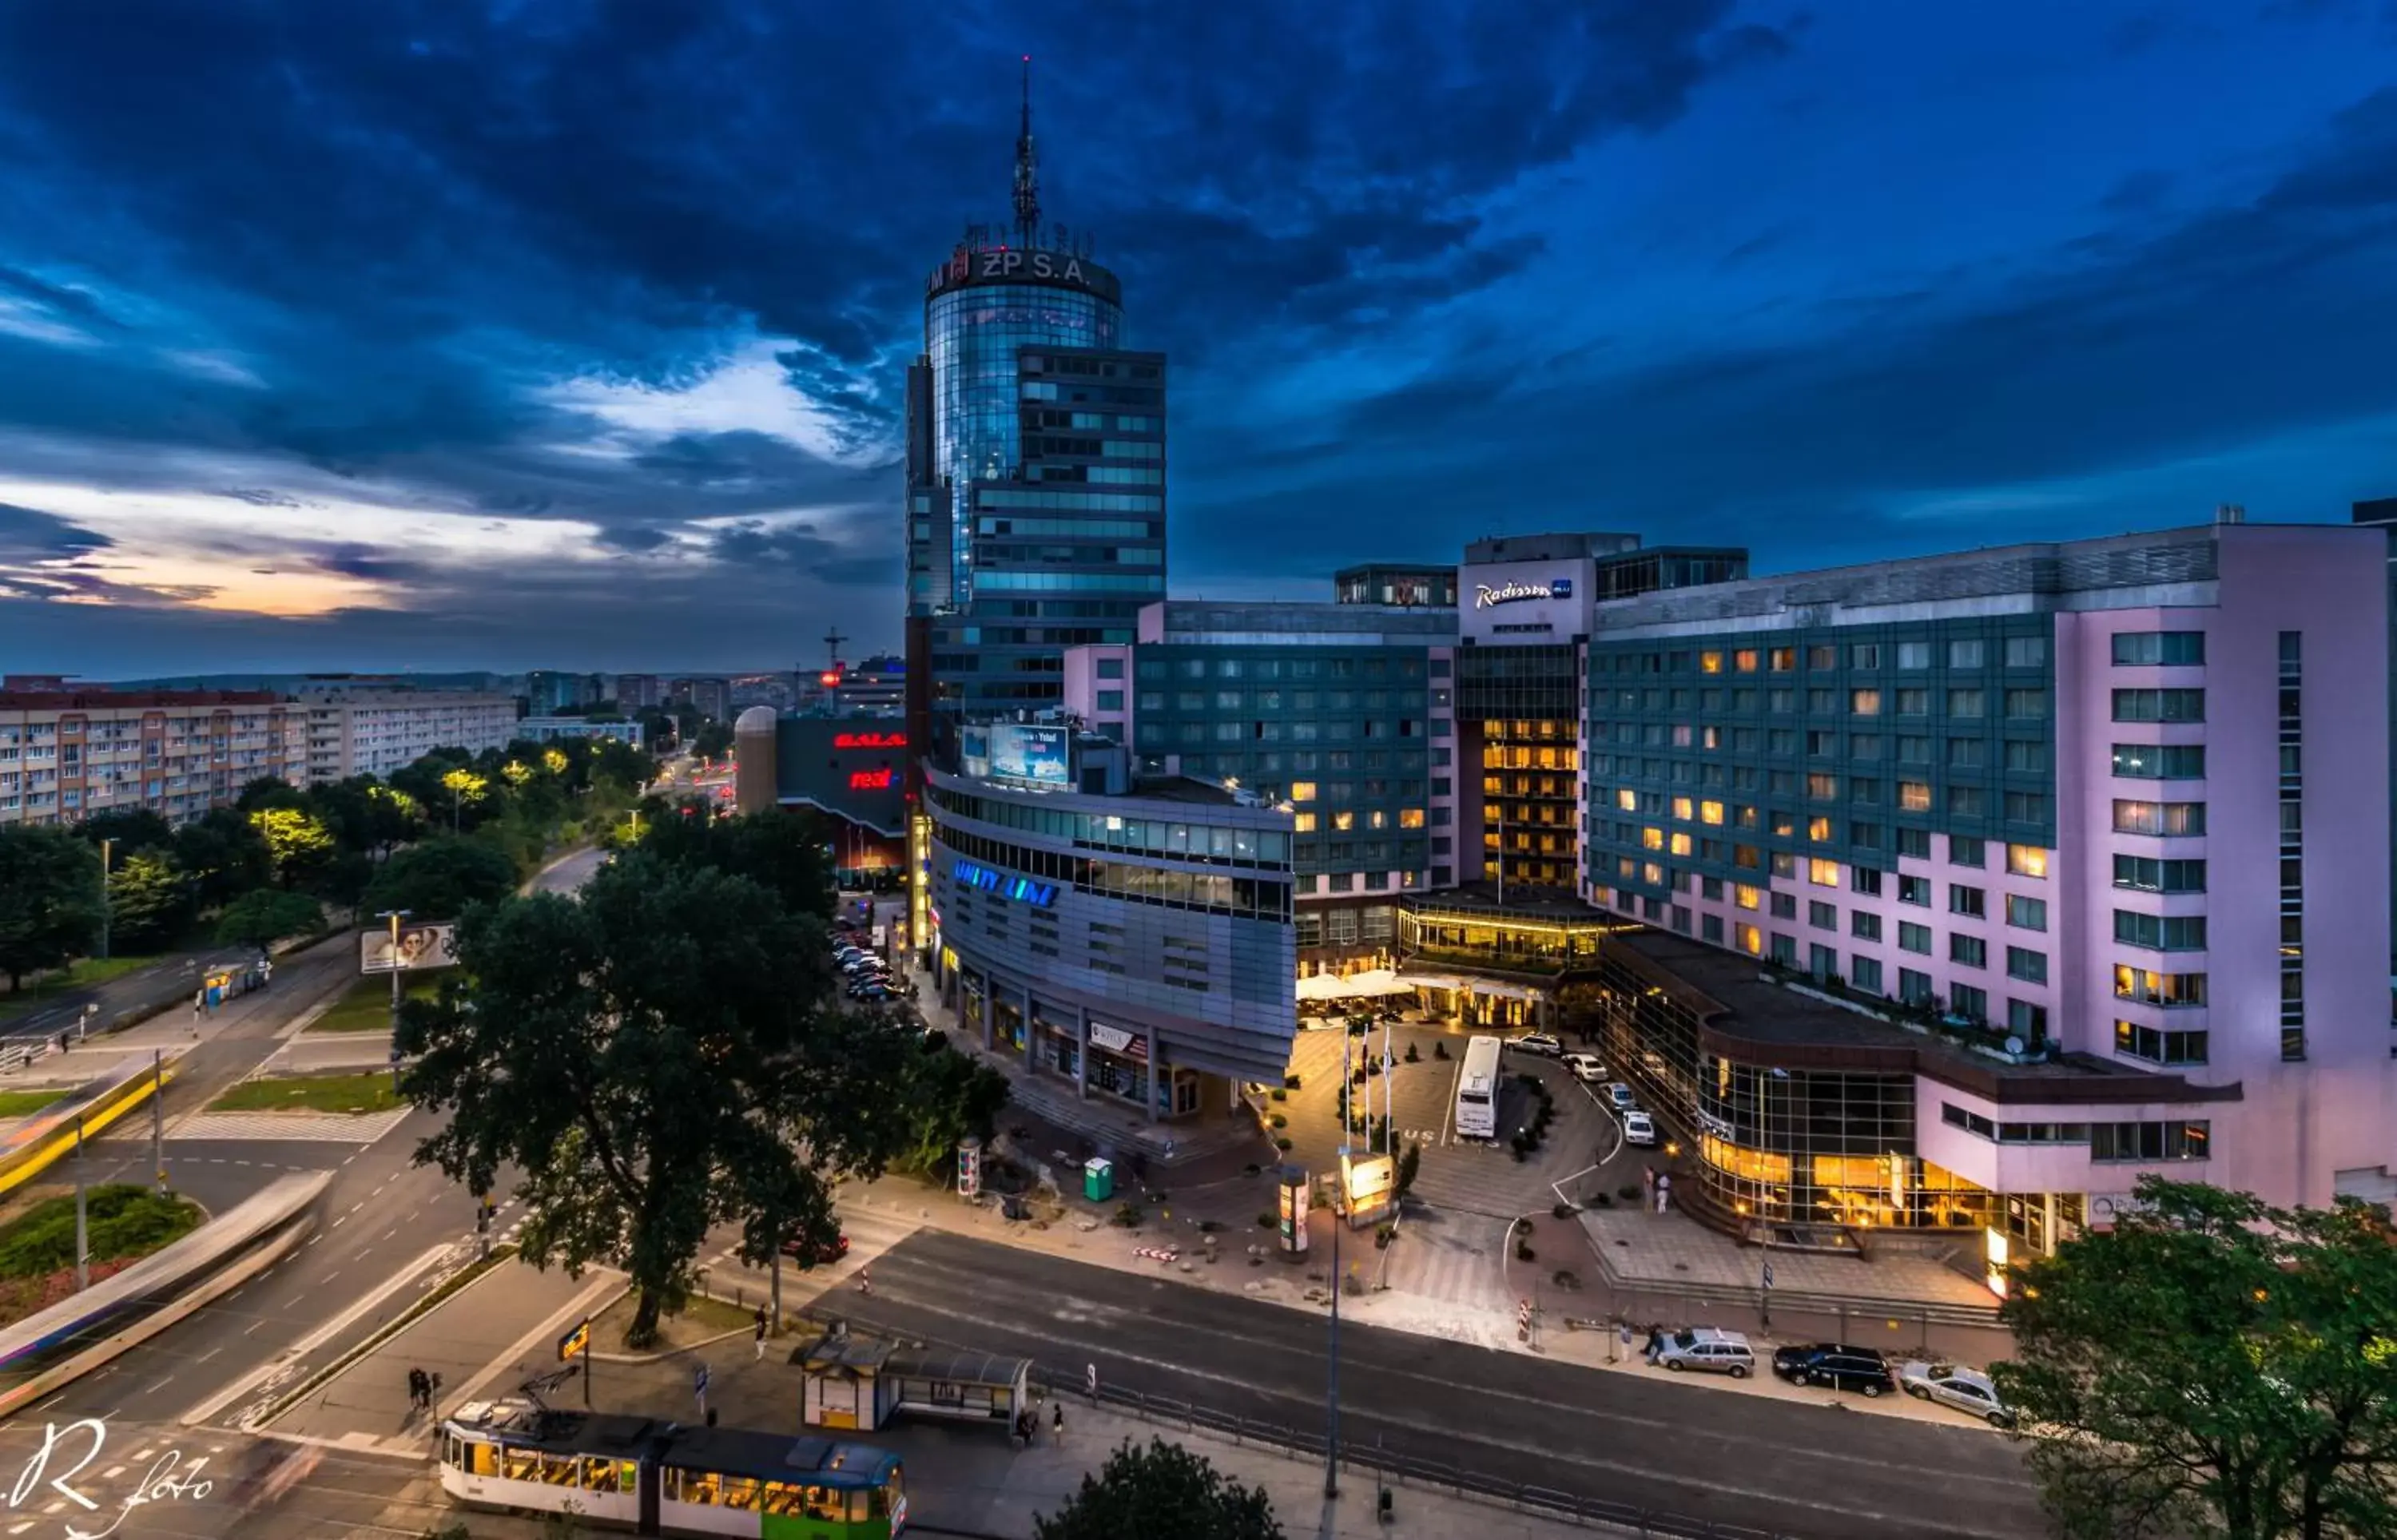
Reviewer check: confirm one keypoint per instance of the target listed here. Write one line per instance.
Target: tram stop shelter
(862, 1383)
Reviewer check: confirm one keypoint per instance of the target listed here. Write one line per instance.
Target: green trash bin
(1098, 1180)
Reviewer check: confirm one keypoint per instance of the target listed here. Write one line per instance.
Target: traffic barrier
(1158, 1254)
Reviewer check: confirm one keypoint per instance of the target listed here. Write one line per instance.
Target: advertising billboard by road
(1028, 753)
(419, 947)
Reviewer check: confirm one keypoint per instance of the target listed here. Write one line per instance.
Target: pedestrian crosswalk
(1453, 1262)
(314, 1127)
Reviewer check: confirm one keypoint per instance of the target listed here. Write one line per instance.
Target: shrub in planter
(1281, 1144)
(1279, 1094)
(1251, 1169)
(1603, 1199)
(1278, 1120)
(1290, 1083)
(1412, 1057)
(1525, 1224)
(1439, 1050)
(1562, 1210)
(1524, 1252)
(1565, 1278)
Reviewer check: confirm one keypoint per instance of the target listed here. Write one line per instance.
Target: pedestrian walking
(1655, 1342)
(1625, 1330)
(1090, 1380)
(865, 1283)
(1057, 1423)
(761, 1333)
(415, 1389)
(432, 1391)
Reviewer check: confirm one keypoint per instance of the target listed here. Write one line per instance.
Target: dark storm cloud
(28, 534)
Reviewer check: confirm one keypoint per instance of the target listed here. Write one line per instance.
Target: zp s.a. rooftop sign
(1487, 594)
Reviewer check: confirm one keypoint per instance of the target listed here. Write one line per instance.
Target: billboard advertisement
(419, 947)
(1028, 753)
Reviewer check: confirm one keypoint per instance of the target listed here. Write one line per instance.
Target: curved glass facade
(971, 336)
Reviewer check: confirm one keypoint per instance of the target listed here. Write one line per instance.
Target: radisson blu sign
(1485, 594)
(1024, 889)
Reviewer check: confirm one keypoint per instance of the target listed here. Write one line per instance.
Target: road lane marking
(314, 1340)
(205, 1357)
(160, 1386)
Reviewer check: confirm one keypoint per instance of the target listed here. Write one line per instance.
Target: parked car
(1835, 1366)
(816, 1256)
(1965, 1389)
(1537, 1043)
(1585, 1068)
(1639, 1129)
(869, 990)
(1618, 1097)
(1707, 1348)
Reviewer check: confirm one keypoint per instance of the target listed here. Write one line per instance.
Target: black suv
(1836, 1366)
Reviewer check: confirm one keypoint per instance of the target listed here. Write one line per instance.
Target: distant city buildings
(66, 754)
(547, 692)
(361, 734)
(554, 729)
(639, 692)
(711, 698)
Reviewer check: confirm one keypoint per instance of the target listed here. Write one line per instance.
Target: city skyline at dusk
(420, 338)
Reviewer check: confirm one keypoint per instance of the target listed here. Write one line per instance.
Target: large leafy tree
(128, 829)
(149, 901)
(712, 741)
(49, 899)
(1161, 1492)
(437, 879)
(2213, 1365)
(783, 852)
(298, 844)
(657, 1056)
(263, 916)
(223, 856)
(953, 1098)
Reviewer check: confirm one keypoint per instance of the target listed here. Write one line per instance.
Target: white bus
(1476, 1091)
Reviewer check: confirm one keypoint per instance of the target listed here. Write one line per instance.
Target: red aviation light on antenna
(829, 679)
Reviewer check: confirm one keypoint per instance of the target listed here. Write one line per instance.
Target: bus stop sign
(576, 1343)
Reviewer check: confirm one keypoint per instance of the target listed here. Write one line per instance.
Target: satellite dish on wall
(2013, 1045)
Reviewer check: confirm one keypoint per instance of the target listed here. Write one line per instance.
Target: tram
(659, 1477)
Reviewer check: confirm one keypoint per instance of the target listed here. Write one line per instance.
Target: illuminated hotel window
(1823, 873)
(1302, 790)
(1305, 823)
(1711, 813)
(1682, 808)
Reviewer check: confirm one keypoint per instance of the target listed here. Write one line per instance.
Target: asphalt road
(171, 978)
(1629, 1437)
(568, 872)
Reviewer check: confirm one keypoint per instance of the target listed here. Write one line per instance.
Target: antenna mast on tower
(1027, 169)
(832, 640)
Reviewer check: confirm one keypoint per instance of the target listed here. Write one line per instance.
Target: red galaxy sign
(869, 740)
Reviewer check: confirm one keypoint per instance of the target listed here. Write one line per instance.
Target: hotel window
(1679, 844)
(1744, 659)
(1969, 952)
(1915, 842)
(1822, 788)
(2026, 913)
(2027, 807)
(1864, 879)
(2151, 1141)
(1964, 703)
(1823, 873)
(2147, 988)
(1914, 796)
(1966, 655)
(1304, 823)
(1749, 939)
(1968, 1001)
(2158, 931)
(2026, 1019)
(2157, 1045)
(1628, 799)
(1710, 663)
(2148, 874)
(1864, 924)
(2024, 754)
(1746, 898)
(1865, 655)
(1914, 655)
(1822, 657)
(1784, 659)
(2159, 705)
(2024, 860)
(2026, 652)
(1967, 753)
(1818, 829)
(1304, 791)
(1965, 851)
(1822, 702)
(2026, 705)
(1914, 988)
(1682, 808)
(1913, 703)
(2027, 965)
(2160, 762)
(2172, 649)
(2165, 820)
(1966, 900)
(1411, 817)
(1864, 835)
(1711, 813)
(1864, 702)
(1863, 973)
(1823, 916)
(1913, 937)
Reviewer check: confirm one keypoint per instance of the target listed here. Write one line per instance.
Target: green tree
(951, 1097)
(712, 741)
(128, 829)
(1160, 1493)
(269, 791)
(2212, 1365)
(783, 852)
(263, 916)
(298, 844)
(149, 901)
(49, 899)
(1410, 1163)
(439, 878)
(224, 856)
(654, 1056)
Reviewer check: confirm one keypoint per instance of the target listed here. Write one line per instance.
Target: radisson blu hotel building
(1948, 894)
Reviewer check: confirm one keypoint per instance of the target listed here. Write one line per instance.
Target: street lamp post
(107, 849)
(392, 958)
(1331, 1409)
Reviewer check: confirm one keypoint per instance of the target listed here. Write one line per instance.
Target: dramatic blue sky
(422, 333)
